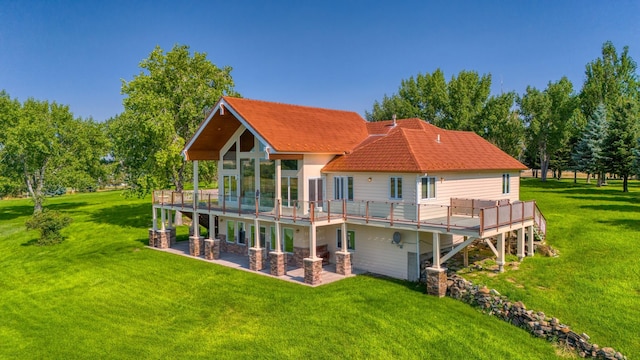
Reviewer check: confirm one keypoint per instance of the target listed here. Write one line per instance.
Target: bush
(49, 224)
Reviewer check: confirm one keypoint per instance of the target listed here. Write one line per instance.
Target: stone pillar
(196, 245)
(216, 249)
(277, 263)
(255, 259)
(343, 263)
(208, 249)
(152, 238)
(313, 271)
(172, 239)
(163, 239)
(436, 281)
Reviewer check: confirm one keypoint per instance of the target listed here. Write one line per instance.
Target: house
(302, 186)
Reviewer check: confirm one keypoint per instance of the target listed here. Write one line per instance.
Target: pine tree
(622, 141)
(588, 153)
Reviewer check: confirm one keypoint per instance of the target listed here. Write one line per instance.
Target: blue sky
(333, 54)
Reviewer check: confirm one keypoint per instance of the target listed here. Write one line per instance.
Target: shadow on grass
(411, 285)
(621, 208)
(630, 224)
(135, 216)
(16, 211)
(31, 242)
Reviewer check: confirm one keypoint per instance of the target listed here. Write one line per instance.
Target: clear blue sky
(333, 54)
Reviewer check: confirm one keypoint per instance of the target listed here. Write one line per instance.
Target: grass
(102, 294)
(594, 285)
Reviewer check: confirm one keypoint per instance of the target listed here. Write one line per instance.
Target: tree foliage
(609, 78)
(622, 140)
(547, 118)
(163, 107)
(463, 103)
(43, 145)
(49, 224)
(588, 154)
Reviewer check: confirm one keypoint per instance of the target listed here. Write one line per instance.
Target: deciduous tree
(164, 105)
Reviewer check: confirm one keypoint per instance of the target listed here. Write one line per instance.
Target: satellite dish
(396, 238)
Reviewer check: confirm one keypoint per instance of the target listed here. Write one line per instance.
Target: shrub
(49, 224)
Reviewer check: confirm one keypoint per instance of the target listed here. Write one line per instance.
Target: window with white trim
(351, 239)
(395, 187)
(506, 183)
(343, 188)
(428, 188)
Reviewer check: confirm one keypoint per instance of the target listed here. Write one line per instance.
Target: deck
(469, 217)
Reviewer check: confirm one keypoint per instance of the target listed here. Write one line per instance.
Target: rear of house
(306, 187)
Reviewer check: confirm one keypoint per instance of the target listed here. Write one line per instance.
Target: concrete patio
(241, 262)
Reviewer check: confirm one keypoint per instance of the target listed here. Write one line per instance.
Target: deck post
(155, 218)
(343, 235)
(255, 252)
(163, 219)
(196, 242)
(500, 248)
(343, 256)
(465, 254)
(436, 251)
(530, 240)
(312, 264)
(520, 243)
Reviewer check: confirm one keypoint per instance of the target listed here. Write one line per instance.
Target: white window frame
(351, 245)
(393, 193)
(428, 195)
(341, 185)
(506, 184)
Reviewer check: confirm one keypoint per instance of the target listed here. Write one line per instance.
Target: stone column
(312, 271)
(173, 236)
(343, 263)
(163, 239)
(208, 249)
(196, 245)
(277, 263)
(152, 238)
(216, 249)
(255, 259)
(436, 281)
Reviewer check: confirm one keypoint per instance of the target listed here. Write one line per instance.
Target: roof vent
(394, 119)
(438, 139)
(221, 109)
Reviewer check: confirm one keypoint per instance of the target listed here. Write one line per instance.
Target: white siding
(375, 252)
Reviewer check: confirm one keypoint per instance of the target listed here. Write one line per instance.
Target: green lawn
(101, 294)
(594, 285)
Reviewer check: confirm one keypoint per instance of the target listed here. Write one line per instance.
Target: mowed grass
(102, 294)
(594, 285)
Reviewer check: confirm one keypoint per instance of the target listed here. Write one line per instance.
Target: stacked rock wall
(537, 323)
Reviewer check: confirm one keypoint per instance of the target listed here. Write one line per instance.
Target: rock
(484, 290)
(495, 292)
(585, 336)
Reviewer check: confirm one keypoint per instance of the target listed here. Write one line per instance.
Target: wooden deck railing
(464, 214)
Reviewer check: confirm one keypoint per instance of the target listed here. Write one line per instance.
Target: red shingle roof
(294, 128)
(416, 146)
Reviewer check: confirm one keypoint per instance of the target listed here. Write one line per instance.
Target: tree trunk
(588, 178)
(575, 176)
(544, 167)
(625, 184)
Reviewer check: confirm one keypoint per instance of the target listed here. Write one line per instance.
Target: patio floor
(241, 262)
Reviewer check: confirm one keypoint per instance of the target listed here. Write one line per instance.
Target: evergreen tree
(588, 153)
(622, 140)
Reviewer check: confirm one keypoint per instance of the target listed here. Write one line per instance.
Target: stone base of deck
(437, 281)
(276, 260)
(343, 263)
(255, 259)
(196, 245)
(313, 271)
